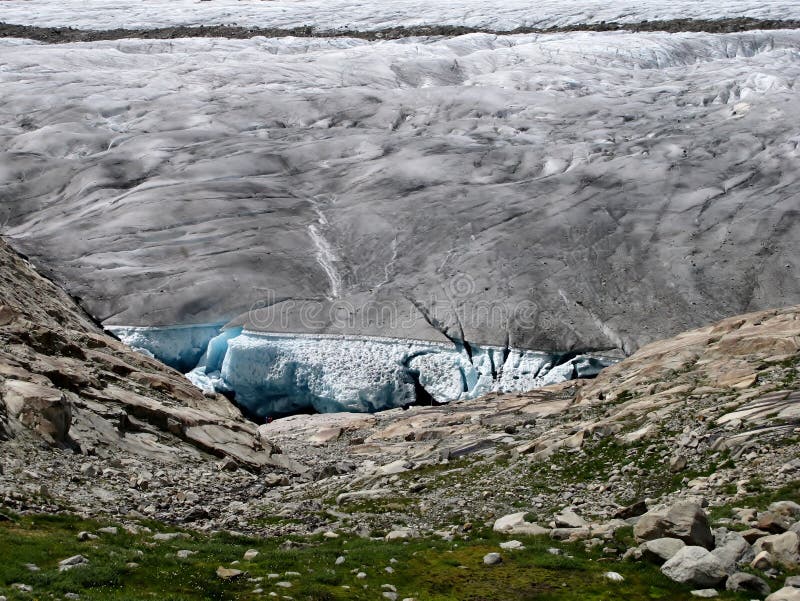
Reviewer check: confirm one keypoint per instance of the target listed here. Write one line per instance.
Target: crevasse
(275, 374)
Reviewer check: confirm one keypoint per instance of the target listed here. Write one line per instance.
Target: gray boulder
(784, 548)
(40, 408)
(660, 550)
(695, 566)
(732, 550)
(685, 521)
(744, 582)
(787, 593)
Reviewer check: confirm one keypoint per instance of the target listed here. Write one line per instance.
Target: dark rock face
(467, 185)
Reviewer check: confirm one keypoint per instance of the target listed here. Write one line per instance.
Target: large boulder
(784, 548)
(685, 521)
(40, 408)
(732, 550)
(787, 593)
(695, 566)
(515, 523)
(744, 582)
(660, 550)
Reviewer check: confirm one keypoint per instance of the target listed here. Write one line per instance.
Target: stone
(515, 524)
(396, 467)
(250, 554)
(168, 536)
(792, 581)
(762, 561)
(696, 566)
(272, 479)
(613, 577)
(401, 534)
(224, 573)
(677, 464)
(40, 408)
(185, 553)
(340, 560)
(72, 562)
(685, 520)
(732, 550)
(744, 582)
(567, 518)
(787, 593)
(84, 536)
(660, 550)
(784, 548)
(491, 559)
(112, 530)
(705, 593)
(751, 535)
(512, 545)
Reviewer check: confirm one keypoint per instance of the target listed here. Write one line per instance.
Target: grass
(425, 569)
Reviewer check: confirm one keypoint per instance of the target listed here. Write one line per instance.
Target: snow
(336, 14)
(273, 374)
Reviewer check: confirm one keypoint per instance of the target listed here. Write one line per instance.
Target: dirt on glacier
(64, 35)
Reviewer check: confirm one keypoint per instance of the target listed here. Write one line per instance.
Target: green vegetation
(135, 567)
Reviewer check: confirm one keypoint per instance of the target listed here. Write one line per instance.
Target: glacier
(618, 187)
(271, 374)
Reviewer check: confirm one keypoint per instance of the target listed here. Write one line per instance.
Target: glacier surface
(617, 187)
(276, 374)
(364, 15)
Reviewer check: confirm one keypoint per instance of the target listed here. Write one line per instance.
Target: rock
(567, 518)
(696, 566)
(787, 593)
(631, 511)
(491, 559)
(613, 577)
(751, 535)
(685, 520)
(168, 536)
(660, 550)
(250, 554)
(340, 560)
(774, 522)
(784, 548)
(40, 408)
(402, 534)
(705, 593)
(570, 534)
(792, 581)
(396, 467)
(84, 536)
(732, 550)
(512, 545)
(744, 582)
(72, 562)
(677, 464)
(112, 530)
(227, 574)
(762, 561)
(272, 479)
(515, 524)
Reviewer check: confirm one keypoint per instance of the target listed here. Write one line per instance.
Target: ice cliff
(274, 374)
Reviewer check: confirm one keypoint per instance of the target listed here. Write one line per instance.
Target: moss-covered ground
(128, 566)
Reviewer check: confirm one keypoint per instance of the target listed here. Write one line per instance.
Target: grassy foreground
(134, 566)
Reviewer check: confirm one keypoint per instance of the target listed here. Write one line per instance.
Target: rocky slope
(91, 425)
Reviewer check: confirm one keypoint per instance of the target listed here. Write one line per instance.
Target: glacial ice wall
(274, 374)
